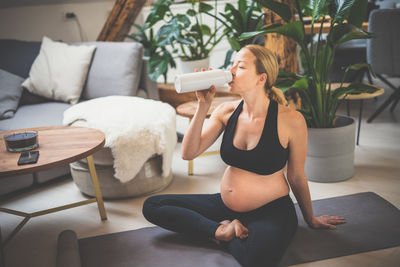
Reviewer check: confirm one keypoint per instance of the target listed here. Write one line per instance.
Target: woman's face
(244, 73)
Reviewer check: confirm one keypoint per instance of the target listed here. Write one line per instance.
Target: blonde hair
(266, 62)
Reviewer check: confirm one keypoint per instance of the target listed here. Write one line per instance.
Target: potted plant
(331, 138)
(181, 35)
(247, 16)
(157, 58)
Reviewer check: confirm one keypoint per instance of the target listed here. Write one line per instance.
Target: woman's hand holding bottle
(205, 96)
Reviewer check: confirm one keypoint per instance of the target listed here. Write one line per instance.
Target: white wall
(31, 23)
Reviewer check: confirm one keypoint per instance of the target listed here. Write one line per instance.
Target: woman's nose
(233, 69)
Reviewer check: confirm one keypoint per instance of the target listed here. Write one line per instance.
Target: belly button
(230, 189)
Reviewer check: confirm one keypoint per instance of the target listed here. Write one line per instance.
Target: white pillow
(59, 71)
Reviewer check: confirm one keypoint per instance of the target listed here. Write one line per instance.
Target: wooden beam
(284, 48)
(120, 20)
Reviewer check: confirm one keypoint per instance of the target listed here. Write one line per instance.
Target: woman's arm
(297, 177)
(196, 140)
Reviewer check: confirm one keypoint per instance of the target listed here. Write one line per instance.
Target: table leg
(96, 186)
(359, 121)
(190, 167)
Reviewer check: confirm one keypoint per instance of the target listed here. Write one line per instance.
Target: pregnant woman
(253, 215)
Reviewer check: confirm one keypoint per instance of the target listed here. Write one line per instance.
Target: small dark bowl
(21, 141)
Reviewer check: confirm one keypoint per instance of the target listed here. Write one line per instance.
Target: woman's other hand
(205, 96)
(326, 221)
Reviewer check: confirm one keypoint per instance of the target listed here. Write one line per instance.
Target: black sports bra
(267, 157)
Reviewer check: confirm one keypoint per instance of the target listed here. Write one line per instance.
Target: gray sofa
(116, 69)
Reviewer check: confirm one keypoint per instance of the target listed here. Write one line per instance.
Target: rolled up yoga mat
(372, 224)
(68, 250)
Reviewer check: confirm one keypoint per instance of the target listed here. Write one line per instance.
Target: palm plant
(320, 102)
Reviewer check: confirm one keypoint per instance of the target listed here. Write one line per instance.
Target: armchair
(383, 52)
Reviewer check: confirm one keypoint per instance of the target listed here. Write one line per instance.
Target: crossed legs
(270, 228)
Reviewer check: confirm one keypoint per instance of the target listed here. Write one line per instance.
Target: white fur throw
(135, 129)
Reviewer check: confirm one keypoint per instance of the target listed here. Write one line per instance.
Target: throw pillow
(59, 72)
(10, 93)
(115, 70)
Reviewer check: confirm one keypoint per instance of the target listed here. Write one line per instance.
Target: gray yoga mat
(372, 224)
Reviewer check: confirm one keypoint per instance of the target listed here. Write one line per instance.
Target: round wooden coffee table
(58, 146)
(188, 109)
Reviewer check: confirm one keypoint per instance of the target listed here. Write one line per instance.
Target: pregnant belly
(244, 191)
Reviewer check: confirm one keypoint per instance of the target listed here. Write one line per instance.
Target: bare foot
(228, 230)
(216, 241)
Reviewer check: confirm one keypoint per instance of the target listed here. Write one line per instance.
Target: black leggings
(271, 227)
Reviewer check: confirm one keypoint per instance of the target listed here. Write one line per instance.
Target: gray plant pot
(189, 66)
(330, 152)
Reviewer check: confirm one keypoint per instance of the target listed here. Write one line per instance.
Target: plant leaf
(358, 13)
(292, 30)
(158, 11)
(288, 83)
(234, 43)
(205, 29)
(306, 7)
(301, 84)
(286, 74)
(284, 84)
(281, 9)
(236, 17)
(360, 66)
(319, 9)
(157, 66)
(342, 10)
(345, 32)
(242, 6)
(203, 7)
(191, 12)
(354, 89)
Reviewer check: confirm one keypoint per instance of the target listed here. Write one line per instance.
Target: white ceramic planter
(190, 66)
(330, 152)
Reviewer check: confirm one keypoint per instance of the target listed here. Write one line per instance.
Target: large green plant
(194, 39)
(246, 16)
(320, 103)
(181, 35)
(159, 59)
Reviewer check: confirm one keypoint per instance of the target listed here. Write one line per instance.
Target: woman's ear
(262, 78)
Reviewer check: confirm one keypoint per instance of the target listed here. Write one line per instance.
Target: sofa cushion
(115, 70)
(10, 93)
(60, 70)
(17, 56)
(45, 114)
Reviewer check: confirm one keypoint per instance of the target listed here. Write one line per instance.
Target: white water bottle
(190, 82)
